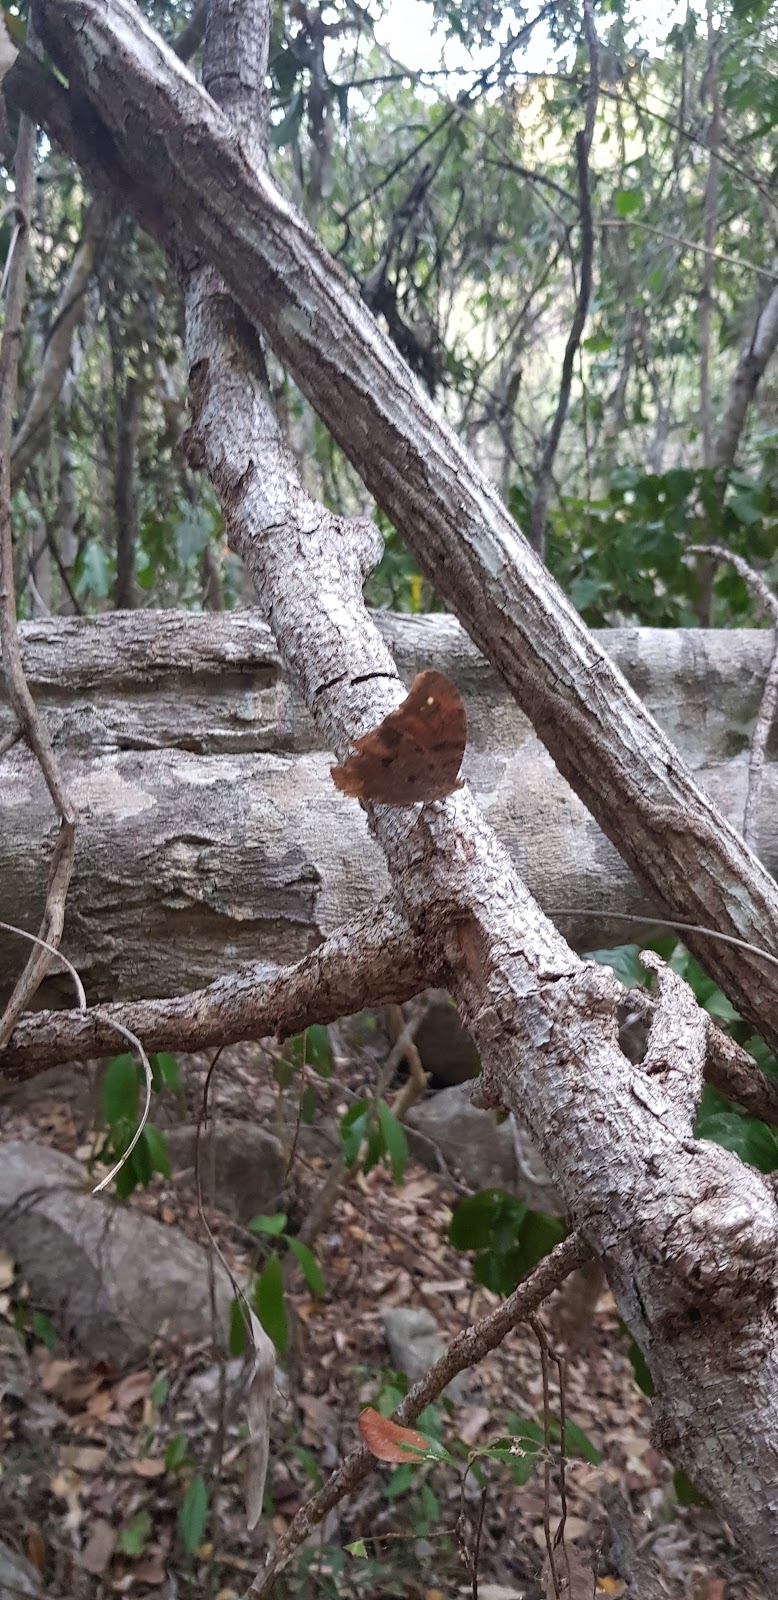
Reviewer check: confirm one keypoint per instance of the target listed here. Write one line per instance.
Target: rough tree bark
(200, 194)
(211, 834)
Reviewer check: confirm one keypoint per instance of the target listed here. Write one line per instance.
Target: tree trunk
(190, 755)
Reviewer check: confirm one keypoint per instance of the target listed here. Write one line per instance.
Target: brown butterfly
(415, 753)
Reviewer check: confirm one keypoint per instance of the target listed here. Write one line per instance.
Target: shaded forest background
(456, 203)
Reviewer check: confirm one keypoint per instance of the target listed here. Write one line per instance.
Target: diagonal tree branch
(465, 1350)
(375, 957)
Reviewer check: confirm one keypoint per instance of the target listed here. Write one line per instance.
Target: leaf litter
(95, 1502)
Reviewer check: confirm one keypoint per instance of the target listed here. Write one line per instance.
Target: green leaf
(283, 1073)
(624, 961)
(528, 1435)
(192, 1514)
(744, 508)
(284, 132)
(237, 1336)
(353, 1124)
(93, 573)
(753, 1141)
(317, 1049)
(538, 1236)
(285, 67)
(176, 1452)
(120, 1091)
(133, 1536)
(269, 1303)
(626, 202)
(165, 1068)
(274, 1223)
(310, 1267)
(640, 1368)
(394, 1140)
(160, 1389)
(400, 1481)
(577, 1442)
(157, 1149)
(44, 1330)
(685, 1492)
(357, 1548)
(308, 1104)
(476, 1220)
(17, 29)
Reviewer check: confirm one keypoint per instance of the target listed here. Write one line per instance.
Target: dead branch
(375, 956)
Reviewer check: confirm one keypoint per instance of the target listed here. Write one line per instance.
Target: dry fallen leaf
(131, 1390)
(386, 1440)
(259, 1408)
(7, 1273)
(84, 1457)
(99, 1548)
(36, 1549)
(150, 1572)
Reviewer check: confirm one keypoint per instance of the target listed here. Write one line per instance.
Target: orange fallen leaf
(36, 1549)
(386, 1440)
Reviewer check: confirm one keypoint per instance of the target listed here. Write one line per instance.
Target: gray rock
(109, 1278)
(415, 1343)
(241, 1164)
(17, 1576)
(486, 1154)
(445, 1047)
(469, 1140)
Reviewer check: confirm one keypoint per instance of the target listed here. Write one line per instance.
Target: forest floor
(97, 1468)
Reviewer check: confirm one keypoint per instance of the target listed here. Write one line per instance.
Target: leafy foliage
(507, 1237)
(440, 194)
(121, 1091)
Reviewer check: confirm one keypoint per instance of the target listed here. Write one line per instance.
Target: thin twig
(145, 1063)
(687, 244)
(19, 695)
(539, 511)
(477, 1542)
(539, 1333)
(375, 959)
(769, 701)
(33, 938)
(465, 1350)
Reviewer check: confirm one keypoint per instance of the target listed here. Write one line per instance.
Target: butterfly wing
(415, 753)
